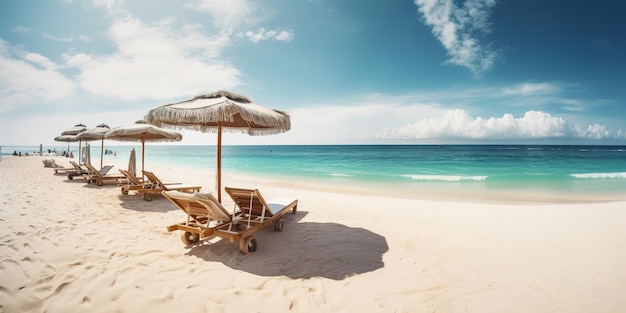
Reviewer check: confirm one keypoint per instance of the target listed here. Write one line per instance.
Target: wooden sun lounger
(99, 177)
(206, 217)
(130, 182)
(58, 169)
(80, 171)
(156, 186)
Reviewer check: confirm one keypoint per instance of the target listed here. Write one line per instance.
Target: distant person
(14, 152)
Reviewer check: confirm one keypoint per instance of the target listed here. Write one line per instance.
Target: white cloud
(28, 78)
(56, 38)
(457, 29)
(155, 62)
(527, 89)
(458, 124)
(226, 15)
(41, 60)
(263, 34)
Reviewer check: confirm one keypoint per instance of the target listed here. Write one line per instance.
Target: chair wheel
(189, 238)
(124, 191)
(247, 244)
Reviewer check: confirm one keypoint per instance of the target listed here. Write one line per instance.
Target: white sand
(69, 246)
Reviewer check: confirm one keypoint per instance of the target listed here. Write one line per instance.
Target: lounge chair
(58, 169)
(206, 217)
(130, 182)
(79, 170)
(156, 186)
(100, 176)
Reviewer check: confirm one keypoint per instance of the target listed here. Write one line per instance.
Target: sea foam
(449, 178)
(600, 175)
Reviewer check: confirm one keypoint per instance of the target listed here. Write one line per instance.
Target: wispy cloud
(263, 34)
(158, 60)
(27, 78)
(57, 38)
(458, 29)
(22, 30)
(227, 16)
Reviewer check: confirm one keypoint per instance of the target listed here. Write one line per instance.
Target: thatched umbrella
(96, 134)
(142, 131)
(68, 139)
(221, 110)
(73, 131)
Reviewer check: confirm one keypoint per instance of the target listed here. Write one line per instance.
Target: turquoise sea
(552, 168)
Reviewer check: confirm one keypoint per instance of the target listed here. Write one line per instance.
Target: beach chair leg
(247, 244)
(189, 238)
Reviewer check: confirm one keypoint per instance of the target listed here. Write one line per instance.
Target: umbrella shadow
(302, 251)
(137, 203)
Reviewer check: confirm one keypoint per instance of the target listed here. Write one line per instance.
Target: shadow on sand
(136, 202)
(302, 250)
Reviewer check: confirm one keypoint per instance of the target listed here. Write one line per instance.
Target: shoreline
(437, 191)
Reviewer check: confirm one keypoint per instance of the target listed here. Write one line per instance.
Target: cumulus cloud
(458, 28)
(155, 61)
(27, 78)
(263, 34)
(458, 124)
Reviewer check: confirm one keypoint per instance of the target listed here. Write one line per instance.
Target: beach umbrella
(217, 112)
(142, 132)
(68, 139)
(96, 133)
(132, 163)
(86, 156)
(75, 130)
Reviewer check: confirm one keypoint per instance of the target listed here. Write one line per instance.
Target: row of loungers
(206, 217)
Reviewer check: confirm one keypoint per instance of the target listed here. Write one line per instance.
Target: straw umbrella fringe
(254, 119)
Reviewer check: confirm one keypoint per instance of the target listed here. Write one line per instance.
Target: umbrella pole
(101, 152)
(143, 152)
(219, 163)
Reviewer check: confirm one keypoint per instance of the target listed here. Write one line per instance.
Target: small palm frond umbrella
(221, 110)
(142, 132)
(96, 133)
(73, 131)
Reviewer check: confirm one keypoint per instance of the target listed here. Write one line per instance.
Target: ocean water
(552, 168)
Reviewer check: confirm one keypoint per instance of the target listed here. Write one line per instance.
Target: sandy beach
(69, 246)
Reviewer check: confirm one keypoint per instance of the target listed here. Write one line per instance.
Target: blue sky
(348, 72)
